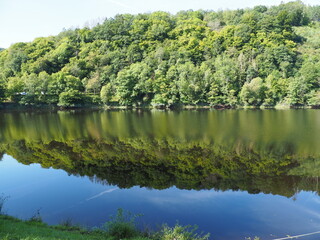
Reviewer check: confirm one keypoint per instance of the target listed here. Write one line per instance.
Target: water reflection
(256, 151)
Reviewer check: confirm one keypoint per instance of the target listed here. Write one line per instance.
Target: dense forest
(264, 56)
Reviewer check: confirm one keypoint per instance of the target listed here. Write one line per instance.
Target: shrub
(314, 99)
(91, 99)
(71, 98)
(106, 93)
(122, 225)
(252, 93)
(2, 91)
(179, 232)
(29, 99)
(36, 217)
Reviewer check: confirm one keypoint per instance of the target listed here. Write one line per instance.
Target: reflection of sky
(227, 215)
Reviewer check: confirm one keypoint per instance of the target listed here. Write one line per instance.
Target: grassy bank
(14, 229)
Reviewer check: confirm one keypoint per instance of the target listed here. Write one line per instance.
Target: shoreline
(116, 229)
(17, 106)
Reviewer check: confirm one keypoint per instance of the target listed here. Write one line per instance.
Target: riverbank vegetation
(117, 228)
(264, 56)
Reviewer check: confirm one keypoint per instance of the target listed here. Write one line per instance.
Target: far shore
(22, 107)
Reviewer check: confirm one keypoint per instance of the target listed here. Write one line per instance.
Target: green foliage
(15, 87)
(71, 98)
(3, 90)
(314, 100)
(297, 91)
(106, 93)
(134, 84)
(252, 93)
(12, 228)
(180, 233)
(192, 57)
(93, 84)
(122, 226)
(36, 217)
(15, 58)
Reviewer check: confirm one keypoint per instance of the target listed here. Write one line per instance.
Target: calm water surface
(235, 174)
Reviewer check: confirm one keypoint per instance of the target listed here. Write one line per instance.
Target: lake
(234, 173)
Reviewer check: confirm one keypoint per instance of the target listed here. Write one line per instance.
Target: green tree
(191, 84)
(134, 85)
(297, 91)
(71, 98)
(106, 93)
(16, 57)
(314, 99)
(226, 77)
(253, 92)
(94, 84)
(192, 57)
(15, 87)
(3, 90)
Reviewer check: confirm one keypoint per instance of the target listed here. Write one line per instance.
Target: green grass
(120, 226)
(14, 229)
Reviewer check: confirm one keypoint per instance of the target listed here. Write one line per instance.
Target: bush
(92, 99)
(2, 91)
(106, 93)
(71, 98)
(179, 232)
(252, 93)
(122, 225)
(314, 99)
(29, 99)
(36, 217)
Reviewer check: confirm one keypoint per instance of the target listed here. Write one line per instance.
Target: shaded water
(234, 173)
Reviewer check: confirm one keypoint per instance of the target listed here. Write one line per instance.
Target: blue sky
(24, 20)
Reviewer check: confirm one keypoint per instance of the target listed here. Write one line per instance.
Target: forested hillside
(257, 57)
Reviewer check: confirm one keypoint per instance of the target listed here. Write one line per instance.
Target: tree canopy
(260, 57)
